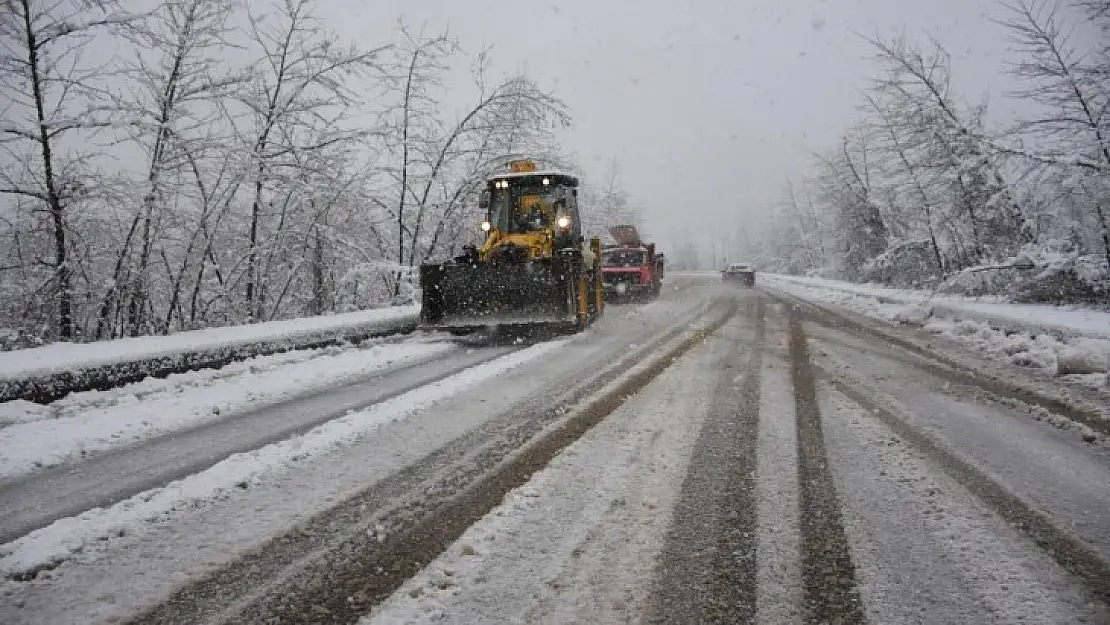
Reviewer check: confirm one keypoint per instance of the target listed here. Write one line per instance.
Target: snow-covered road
(576, 544)
(716, 456)
(205, 488)
(86, 423)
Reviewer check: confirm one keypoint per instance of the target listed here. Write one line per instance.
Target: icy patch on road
(82, 423)
(54, 543)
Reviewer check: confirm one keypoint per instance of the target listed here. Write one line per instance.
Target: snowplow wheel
(598, 285)
(432, 305)
(583, 300)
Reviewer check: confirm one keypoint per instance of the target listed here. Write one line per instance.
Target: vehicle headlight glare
(563, 221)
(485, 226)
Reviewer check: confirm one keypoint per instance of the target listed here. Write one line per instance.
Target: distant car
(736, 272)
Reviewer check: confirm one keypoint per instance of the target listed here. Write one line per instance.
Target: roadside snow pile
(44, 374)
(21, 411)
(1037, 276)
(1062, 341)
(906, 263)
(66, 537)
(913, 314)
(39, 436)
(1048, 272)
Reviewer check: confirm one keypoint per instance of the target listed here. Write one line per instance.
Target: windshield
(624, 258)
(524, 208)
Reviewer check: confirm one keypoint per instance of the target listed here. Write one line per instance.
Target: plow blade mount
(460, 296)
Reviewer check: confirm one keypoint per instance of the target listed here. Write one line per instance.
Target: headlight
(485, 226)
(563, 221)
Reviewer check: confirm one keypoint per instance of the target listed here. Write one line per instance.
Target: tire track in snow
(925, 548)
(264, 580)
(577, 543)
(1075, 408)
(828, 575)
(364, 570)
(707, 570)
(1069, 551)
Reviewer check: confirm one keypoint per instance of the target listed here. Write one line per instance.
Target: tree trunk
(404, 172)
(252, 252)
(1105, 230)
(319, 289)
(54, 200)
(138, 291)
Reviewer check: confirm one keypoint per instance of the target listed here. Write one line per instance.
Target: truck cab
(630, 269)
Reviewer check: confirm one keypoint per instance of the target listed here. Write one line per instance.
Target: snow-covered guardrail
(44, 374)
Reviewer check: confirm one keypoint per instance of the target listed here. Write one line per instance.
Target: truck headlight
(563, 221)
(485, 226)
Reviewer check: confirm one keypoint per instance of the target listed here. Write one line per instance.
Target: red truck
(631, 268)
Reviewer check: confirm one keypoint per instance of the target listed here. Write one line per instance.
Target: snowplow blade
(459, 296)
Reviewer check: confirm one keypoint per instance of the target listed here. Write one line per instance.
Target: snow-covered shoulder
(1070, 321)
(59, 357)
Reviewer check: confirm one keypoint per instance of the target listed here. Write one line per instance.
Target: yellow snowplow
(534, 268)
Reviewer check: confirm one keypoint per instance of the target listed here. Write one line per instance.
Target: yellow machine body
(534, 266)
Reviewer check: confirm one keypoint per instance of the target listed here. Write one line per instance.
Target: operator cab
(527, 201)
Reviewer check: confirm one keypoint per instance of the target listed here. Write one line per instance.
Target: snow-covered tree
(438, 162)
(176, 79)
(223, 162)
(846, 188)
(950, 140)
(51, 103)
(605, 203)
(296, 103)
(1073, 85)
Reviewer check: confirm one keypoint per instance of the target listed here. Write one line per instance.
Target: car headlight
(485, 226)
(563, 221)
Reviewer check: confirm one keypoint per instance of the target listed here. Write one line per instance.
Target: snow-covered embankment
(1062, 340)
(44, 374)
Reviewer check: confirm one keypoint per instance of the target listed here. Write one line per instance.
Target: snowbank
(43, 374)
(33, 435)
(1057, 320)
(1065, 341)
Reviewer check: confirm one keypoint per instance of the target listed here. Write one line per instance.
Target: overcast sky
(708, 106)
